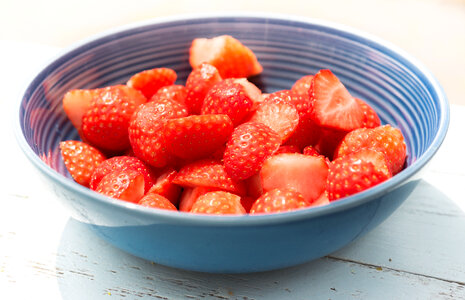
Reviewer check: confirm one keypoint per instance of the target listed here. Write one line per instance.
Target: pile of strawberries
(218, 145)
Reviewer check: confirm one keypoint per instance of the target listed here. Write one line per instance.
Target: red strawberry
(229, 98)
(218, 203)
(250, 145)
(190, 195)
(288, 149)
(371, 119)
(121, 163)
(247, 202)
(356, 172)
(76, 103)
(322, 200)
(105, 124)
(227, 54)
(165, 187)
(305, 174)
(309, 150)
(81, 160)
(146, 130)
(208, 173)
(278, 200)
(127, 185)
(251, 90)
(174, 92)
(197, 136)
(198, 83)
(385, 139)
(150, 81)
(282, 117)
(156, 201)
(302, 85)
(333, 106)
(254, 186)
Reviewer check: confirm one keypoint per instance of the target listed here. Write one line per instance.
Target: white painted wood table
(418, 253)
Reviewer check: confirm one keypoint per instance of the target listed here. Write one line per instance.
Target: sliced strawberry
(250, 145)
(165, 187)
(121, 163)
(156, 201)
(81, 160)
(288, 149)
(76, 103)
(105, 124)
(198, 83)
(190, 195)
(218, 203)
(302, 85)
(322, 200)
(278, 200)
(227, 54)
(282, 117)
(251, 90)
(371, 119)
(127, 185)
(309, 150)
(329, 141)
(174, 92)
(229, 98)
(385, 139)
(333, 106)
(146, 130)
(150, 81)
(356, 172)
(197, 136)
(254, 186)
(303, 173)
(208, 173)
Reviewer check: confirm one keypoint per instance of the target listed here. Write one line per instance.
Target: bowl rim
(183, 218)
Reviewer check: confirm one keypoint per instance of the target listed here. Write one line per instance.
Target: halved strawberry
(227, 54)
(218, 203)
(150, 81)
(371, 118)
(356, 172)
(156, 201)
(146, 130)
(198, 83)
(208, 173)
(251, 90)
(303, 173)
(250, 145)
(127, 185)
(106, 121)
(386, 139)
(190, 195)
(174, 92)
(333, 106)
(229, 98)
(279, 200)
(302, 85)
(81, 160)
(197, 136)
(165, 187)
(121, 163)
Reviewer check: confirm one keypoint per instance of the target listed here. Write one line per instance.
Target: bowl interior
(399, 89)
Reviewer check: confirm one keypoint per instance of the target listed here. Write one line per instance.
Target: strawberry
(288, 149)
(371, 119)
(156, 201)
(80, 160)
(309, 150)
(174, 92)
(322, 200)
(385, 139)
(302, 85)
(251, 90)
(356, 172)
(305, 174)
(105, 124)
(150, 81)
(282, 117)
(250, 145)
(333, 106)
(208, 173)
(218, 203)
(198, 83)
(190, 195)
(230, 98)
(247, 202)
(329, 141)
(227, 54)
(197, 136)
(165, 187)
(146, 130)
(121, 163)
(127, 185)
(278, 200)
(76, 103)
(254, 186)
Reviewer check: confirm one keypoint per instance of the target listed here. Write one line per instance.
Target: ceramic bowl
(401, 90)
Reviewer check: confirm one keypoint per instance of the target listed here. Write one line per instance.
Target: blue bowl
(401, 90)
